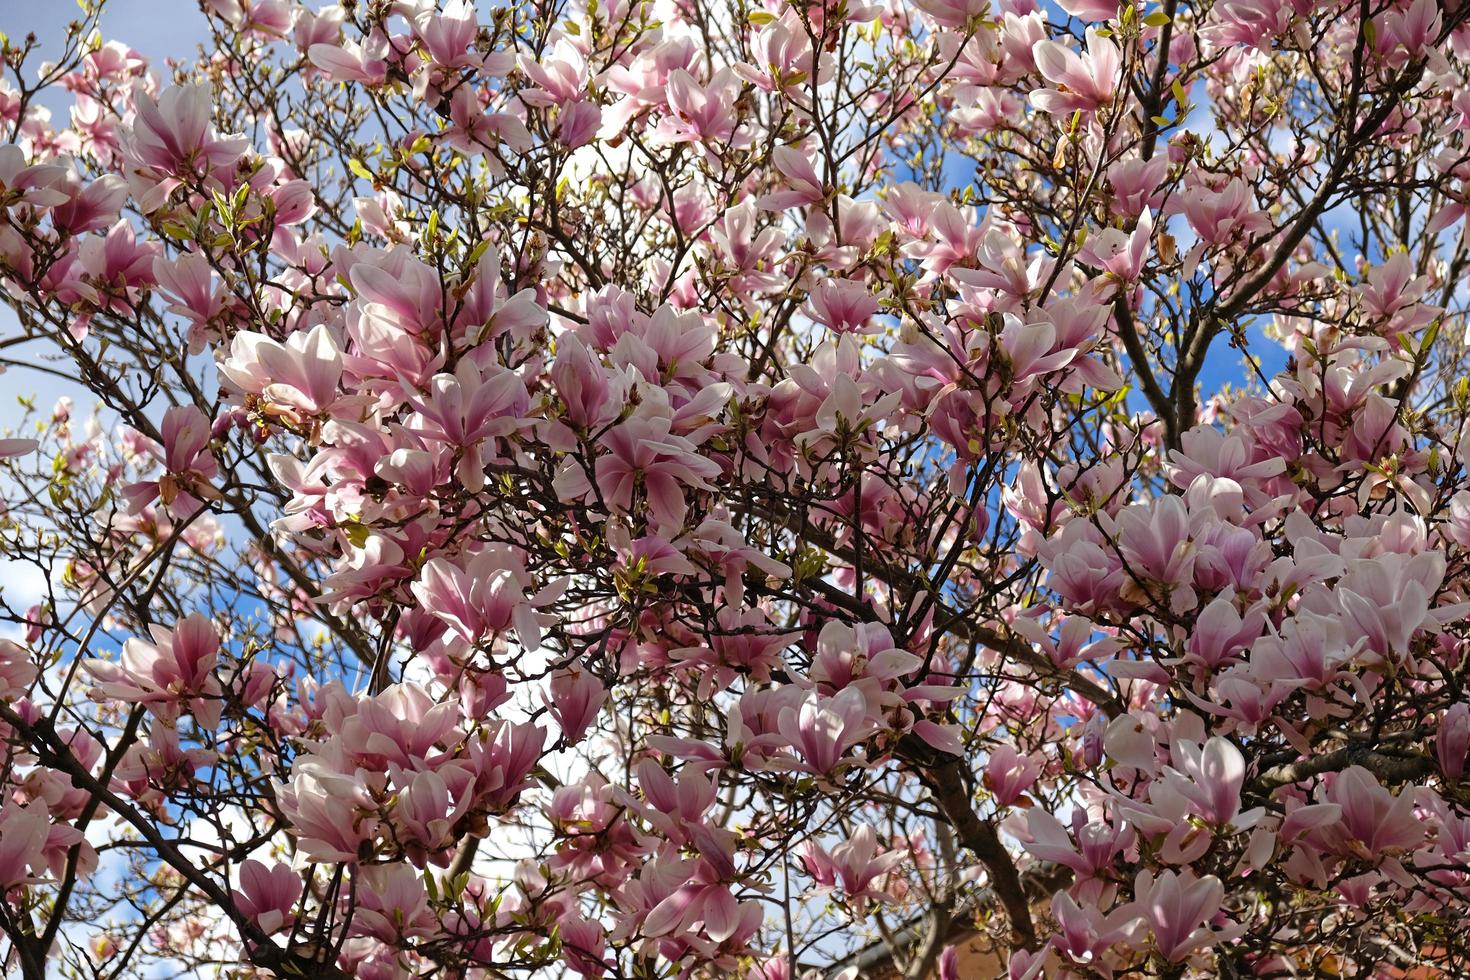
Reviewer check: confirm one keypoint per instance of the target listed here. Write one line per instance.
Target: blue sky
(173, 28)
(156, 28)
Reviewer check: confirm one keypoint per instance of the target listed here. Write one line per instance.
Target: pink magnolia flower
(1074, 642)
(644, 453)
(861, 656)
(583, 384)
(12, 448)
(803, 187)
(559, 76)
(752, 736)
(752, 253)
(1090, 9)
(400, 293)
(1120, 254)
(844, 306)
(1392, 296)
(393, 904)
(1086, 576)
(473, 130)
(584, 946)
(576, 697)
(1374, 821)
(1096, 846)
(486, 595)
(948, 966)
(17, 670)
(41, 185)
(1155, 542)
(118, 265)
(331, 813)
(189, 465)
(174, 671)
(448, 34)
(1080, 82)
(953, 13)
(1409, 30)
(417, 471)
(468, 409)
(1310, 651)
(1250, 22)
(1308, 817)
(707, 909)
(578, 124)
(191, 287)
(425, 813)
(1129, 740)
(174, 136)
(1453, 741)
(1224, 215)
(674, 807)
(951, 238)
(1388, 599)
(1234, 456)
(1033, 349)
(1222, 633)
(267, 895)
(1008, 774)
(24, 831)
(503, 764)
(853, 866)
(1213, 775)
(351, 61)
(699, 113)
(1137, 184)
(822, 729)
(294, 381)
(1178, 908)
(292, 202)
(403, 726)
(781, 55)
(1085, 932)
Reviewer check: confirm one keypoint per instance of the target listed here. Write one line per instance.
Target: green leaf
(1157, 19)
(359, 168)
(1430, 336)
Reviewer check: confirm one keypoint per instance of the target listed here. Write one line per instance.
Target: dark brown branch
(948, 782)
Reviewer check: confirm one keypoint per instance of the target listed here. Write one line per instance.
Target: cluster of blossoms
(643, 488)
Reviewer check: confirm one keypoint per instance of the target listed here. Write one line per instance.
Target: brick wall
(973, 958)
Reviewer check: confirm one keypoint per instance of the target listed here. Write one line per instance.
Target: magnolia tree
(661, 488)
